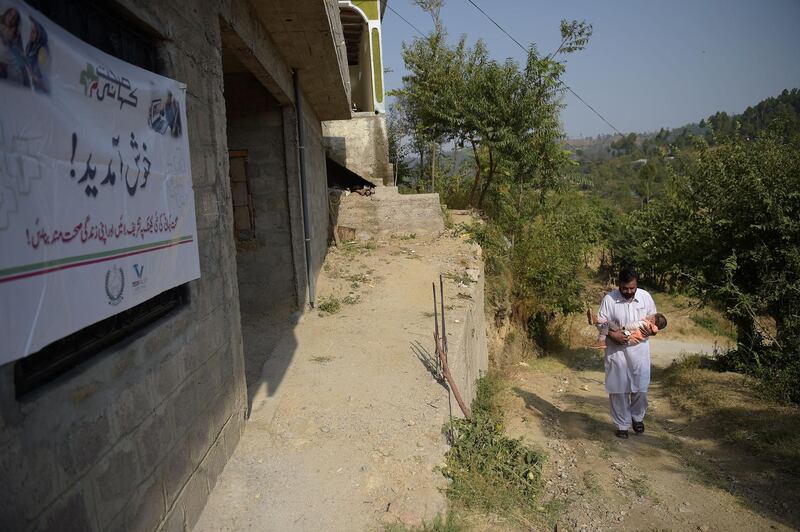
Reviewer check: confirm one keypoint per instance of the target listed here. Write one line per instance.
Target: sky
(649, 64)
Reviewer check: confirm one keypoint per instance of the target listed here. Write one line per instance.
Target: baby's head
(659, 320)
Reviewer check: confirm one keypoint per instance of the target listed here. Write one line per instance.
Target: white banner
(96, 201)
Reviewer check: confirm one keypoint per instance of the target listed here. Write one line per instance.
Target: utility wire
(403, 19)
(527, 50)
(498, 25)
(594, 110)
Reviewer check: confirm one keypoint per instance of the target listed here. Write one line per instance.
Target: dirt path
(350, 439)
(673, 477)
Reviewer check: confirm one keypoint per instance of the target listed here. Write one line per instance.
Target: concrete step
(387, 211)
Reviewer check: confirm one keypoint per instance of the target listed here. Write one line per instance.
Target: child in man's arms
(633, 331)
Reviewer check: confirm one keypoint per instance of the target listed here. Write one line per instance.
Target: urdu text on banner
(96, 201)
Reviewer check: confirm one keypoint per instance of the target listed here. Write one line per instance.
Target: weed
(461, 278)
(351, 299)
(410, 236)
(591, 482)
(448, 219)
(359, 278)
(354, 247)
(321, 359)
(330, 304)
(460, 229)
(489, 471)
(639, 486)
(605, 450)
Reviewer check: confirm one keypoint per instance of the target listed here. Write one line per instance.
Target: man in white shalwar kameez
(627, 364)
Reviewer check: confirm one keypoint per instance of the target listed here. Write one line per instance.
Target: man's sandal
(638, 426)
(622, 434)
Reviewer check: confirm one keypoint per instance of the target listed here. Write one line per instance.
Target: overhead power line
(523, 47)
(527, 50)
(498, 25)
(594, 110)
(404, 19)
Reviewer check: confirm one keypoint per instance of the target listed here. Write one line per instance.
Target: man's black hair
(627, 275)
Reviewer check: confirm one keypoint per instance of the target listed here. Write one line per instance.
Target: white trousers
(627, 406)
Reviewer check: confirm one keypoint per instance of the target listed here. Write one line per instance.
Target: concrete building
(131, 423)
(360, 142)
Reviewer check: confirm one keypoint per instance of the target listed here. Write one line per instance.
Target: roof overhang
(308, 34)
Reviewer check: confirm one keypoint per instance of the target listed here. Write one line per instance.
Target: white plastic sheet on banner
(96, 202)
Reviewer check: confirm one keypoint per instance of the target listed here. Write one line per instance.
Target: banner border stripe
(41, 268)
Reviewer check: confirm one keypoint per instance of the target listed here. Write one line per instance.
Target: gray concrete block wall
(135, 438)
(317, 183)
(255, 123)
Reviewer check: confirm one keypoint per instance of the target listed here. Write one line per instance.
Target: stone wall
(134, 438)
(361, 145)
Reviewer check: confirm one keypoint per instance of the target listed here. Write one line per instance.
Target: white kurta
(627, 367)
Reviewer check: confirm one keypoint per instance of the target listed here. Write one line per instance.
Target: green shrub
(489, 471)
(329, 304)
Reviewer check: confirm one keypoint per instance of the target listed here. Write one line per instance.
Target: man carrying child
(627, 360)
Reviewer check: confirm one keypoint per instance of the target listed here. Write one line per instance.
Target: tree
(728, 229)
(398, 150)
(507, 115)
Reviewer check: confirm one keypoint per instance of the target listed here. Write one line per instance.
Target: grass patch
(449, 523)
(714, 323)
(489, 471)
(321, 359)
(329, 304)
(355, 247)
(728, 405)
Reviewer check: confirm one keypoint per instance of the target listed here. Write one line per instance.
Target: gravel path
(663, 352)
(675, 476)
